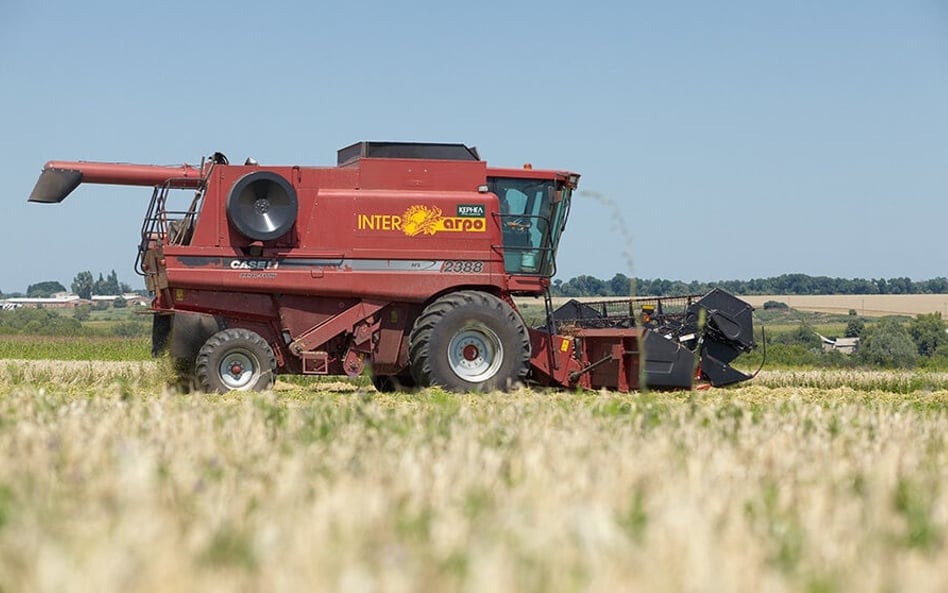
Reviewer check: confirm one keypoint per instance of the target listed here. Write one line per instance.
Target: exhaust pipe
(60, 178)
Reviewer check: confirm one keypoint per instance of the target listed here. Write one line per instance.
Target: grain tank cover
(406, 150)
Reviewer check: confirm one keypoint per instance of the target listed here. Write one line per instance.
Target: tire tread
(427, 322)
(205, 371)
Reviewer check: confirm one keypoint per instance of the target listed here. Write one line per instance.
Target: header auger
(404, 261)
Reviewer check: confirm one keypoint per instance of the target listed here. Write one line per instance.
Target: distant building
(844, 345)
(67, 300)
(60, 300)
(131, 299)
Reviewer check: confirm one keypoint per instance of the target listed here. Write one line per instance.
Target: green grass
(74, 348)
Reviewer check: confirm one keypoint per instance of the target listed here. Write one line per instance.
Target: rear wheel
(235, 360)
(469, 341)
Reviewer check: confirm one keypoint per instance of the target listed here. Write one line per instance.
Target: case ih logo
(254, 264)
(426, 220)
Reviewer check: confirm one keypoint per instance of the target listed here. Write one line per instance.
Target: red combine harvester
(403, 260)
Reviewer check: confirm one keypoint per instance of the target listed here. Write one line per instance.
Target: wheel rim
(475, 353)
(237, 370)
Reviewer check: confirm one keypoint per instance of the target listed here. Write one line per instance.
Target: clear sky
(737, 139)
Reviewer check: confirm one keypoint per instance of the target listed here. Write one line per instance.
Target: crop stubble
(118, 485)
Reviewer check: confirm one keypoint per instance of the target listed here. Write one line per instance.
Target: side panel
(342, 331)
(395, 245)
(414, 280)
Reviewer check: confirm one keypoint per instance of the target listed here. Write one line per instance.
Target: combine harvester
(404, 261)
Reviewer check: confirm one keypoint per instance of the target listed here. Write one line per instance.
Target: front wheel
(235, 360)
(469, 341)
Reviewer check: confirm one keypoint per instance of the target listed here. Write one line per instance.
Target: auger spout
(60, 178)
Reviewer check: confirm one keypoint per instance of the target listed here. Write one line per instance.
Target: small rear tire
(235, 360)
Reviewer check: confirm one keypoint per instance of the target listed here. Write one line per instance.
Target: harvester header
(405, 261)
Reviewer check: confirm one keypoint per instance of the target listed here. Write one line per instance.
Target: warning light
(528, 166)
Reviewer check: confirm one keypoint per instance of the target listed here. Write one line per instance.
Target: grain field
(118, 485)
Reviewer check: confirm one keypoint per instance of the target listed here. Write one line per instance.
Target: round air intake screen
(262, 206)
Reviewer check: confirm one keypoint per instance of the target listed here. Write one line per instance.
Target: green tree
(44, 289)
(82, 312)
(99, 286)
(112, 284)
(620, 285)
(83, 284)
(888, 344)
(928, 332)
(863, 286)
(26, 320)
(804, 335)
(107, 285)
(119, 302)
(855, 327)
(937, 285)
(584, 286)
(900, 286)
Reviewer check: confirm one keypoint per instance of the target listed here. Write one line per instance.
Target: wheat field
(870, 305)
(811, 483)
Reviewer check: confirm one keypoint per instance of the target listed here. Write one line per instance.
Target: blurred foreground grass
(112, 483)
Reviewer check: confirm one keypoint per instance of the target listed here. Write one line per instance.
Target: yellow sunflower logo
(421, 220)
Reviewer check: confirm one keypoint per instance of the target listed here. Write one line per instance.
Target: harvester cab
(404, 261)
(532, 216)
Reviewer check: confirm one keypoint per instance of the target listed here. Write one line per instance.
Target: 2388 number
(462, 267)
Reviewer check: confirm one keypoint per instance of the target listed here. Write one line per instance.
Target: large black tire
(469, 341)
(235, 360)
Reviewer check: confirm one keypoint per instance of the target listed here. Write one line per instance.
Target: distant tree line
(29, 321)
(84, 285)
(45, 322)
(797, 284)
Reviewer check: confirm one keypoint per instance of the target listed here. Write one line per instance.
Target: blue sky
(737, 139)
